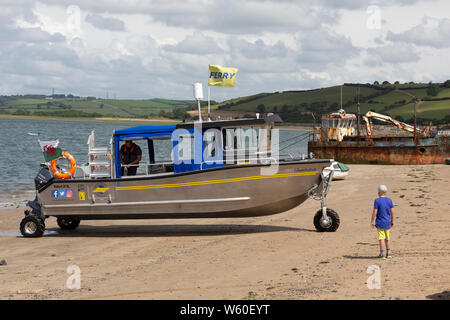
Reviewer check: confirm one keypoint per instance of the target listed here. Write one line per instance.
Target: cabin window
(162, 150)
(156, 156)
(140, 168)
(212, 144)
(242, 145)
(186, 147)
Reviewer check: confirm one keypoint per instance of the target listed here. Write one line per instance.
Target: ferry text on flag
(222, 76)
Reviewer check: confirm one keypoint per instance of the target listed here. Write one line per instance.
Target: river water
(20, 154)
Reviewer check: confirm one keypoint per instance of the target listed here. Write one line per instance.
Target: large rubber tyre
(331, 226)
(32, 226)
(67, 223)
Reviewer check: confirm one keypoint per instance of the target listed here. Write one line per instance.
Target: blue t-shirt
(383, 205)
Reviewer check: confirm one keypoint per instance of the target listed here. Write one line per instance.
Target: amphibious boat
(211, 169)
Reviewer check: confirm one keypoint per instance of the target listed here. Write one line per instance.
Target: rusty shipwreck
(342, 137)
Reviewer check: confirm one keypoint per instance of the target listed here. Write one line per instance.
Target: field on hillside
(101, 107)
(293, 105)
(329, 95)
(426, 110)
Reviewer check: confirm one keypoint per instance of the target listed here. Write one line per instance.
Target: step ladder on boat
(100, 160)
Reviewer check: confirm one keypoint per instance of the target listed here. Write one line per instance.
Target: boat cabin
(336, 126)
(184, 147)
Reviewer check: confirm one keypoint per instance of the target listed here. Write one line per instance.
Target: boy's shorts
(383, 234)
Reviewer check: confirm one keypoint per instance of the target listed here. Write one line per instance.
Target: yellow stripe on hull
(199, 183)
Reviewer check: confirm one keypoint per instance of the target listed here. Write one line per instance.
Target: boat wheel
(330, 224)
(32, 226)
(67, 223)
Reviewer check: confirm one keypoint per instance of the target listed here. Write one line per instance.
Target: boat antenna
(198, 95)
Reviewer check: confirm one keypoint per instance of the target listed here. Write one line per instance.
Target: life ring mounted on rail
(67, 175)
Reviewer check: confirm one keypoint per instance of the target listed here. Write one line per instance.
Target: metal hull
(237, 191)
(384, 150)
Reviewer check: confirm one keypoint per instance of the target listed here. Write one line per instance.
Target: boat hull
(337, 175)
(238, 191)
(384, 150)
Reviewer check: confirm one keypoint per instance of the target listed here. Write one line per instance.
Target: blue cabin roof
(143, 132)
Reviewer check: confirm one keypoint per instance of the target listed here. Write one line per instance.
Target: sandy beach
(273, 257)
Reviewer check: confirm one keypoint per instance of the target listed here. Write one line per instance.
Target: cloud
(141, 49)
(29, 35)
(320, 48)
(243, 17)
(112, 24)
(257, 49)
(431, 32)
(228, 17)
(363, 4)
(196, 43)
(397, 53)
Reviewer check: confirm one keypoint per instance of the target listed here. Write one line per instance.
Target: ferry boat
(210, 169)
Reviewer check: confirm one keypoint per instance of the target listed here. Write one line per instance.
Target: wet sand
(274, 257)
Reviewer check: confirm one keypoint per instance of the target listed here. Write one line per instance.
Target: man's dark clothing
(128, 155)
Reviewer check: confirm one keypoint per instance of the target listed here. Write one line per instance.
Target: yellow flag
(222, 76)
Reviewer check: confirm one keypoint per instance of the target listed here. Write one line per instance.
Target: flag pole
(209, 103)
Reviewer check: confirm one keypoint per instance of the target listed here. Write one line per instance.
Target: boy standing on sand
(383, 211)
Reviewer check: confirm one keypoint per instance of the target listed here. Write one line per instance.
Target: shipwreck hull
(384, 150)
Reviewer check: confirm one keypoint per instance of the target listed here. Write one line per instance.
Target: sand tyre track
(32, 226)
(330, 226)
(67, 223)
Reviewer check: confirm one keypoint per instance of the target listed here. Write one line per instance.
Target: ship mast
(417, 101)
(358, 114)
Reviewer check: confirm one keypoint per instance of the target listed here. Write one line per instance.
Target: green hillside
(293, 106)
(91, 107)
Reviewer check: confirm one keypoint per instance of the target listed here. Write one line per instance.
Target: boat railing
(241, 161)
(152, 168)
(166, 167)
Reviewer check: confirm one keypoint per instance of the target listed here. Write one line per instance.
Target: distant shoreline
(109, 119)
(106, 119)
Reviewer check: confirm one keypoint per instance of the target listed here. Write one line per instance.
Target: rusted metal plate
(384, 150)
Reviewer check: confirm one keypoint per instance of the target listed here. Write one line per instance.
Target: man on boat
(130, 155)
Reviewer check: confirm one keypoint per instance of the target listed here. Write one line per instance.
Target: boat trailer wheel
(32, 226)
(67, 223)
(330, 223)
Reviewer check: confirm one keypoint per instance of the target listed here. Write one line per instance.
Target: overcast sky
(148, 49)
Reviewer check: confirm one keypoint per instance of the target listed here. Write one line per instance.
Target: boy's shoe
(381, 256)
(388, 257)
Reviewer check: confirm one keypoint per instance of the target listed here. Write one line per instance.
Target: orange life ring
(73, 167)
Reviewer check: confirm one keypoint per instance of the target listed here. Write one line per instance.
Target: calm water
(20, 154)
